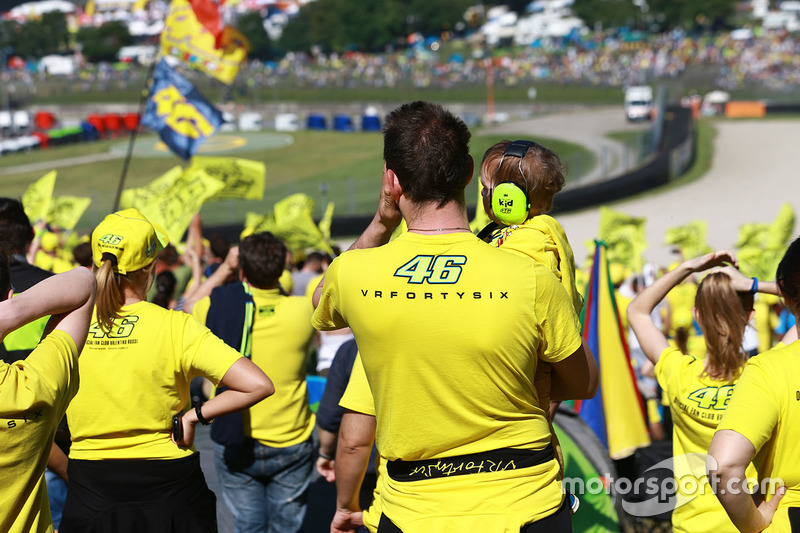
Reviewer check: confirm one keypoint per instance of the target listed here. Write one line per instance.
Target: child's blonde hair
(544, 174)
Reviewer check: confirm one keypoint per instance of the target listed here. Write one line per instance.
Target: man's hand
(232, 259)
(346, 521)
(325, 467)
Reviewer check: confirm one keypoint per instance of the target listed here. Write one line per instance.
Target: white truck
(639, 103)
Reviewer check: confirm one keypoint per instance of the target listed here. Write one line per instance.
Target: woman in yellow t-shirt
(761, 425)
(698, 389)
(129, 468)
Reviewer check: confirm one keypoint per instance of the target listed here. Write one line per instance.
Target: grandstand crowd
(769, 59)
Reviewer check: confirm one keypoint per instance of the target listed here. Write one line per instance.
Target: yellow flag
(325, 222)
(185, 38)
(781, 229)
(624, 236)
(154, 189)
(36, 200)
(66, 211)
(690, 239)
(174, 206)
(291, 220)
(242, 178)
(761, 246)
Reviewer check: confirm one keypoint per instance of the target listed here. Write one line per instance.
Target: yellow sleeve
(205, 353)
(754, 408)
(667, 367)
(200, 309)
(286, 281)
(358, 396)
(328, 315)
(45, 375)
(312, 286)
(561, 329)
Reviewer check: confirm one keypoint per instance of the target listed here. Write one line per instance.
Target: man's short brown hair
(262, 257)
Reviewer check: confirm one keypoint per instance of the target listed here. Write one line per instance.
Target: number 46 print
(438, 269)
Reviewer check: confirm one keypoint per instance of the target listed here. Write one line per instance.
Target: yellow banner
(292, 221)
(37, 197)
(690, 239)
(185, 38)
(326, 221)
(242, 178)
(154, 189)
(174, 198)
(625, 237)
(66, 211)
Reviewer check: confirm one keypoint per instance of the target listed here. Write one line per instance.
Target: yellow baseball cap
(129, 238)
(49, 242)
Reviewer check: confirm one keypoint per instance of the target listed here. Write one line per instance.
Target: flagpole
(142, 105)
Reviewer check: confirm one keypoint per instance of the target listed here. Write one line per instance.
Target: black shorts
(130, 496)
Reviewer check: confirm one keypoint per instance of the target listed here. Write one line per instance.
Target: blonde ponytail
(722, 315)
(110, 296)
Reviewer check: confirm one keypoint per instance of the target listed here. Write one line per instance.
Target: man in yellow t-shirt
(458, 421)
(35, 392)
(264, 481)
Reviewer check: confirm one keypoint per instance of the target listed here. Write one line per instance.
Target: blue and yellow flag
(616, 413)
(179, 113)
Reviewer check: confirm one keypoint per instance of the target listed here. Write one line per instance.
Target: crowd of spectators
(767, 59)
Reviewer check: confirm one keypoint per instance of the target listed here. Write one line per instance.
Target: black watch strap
(200, 418)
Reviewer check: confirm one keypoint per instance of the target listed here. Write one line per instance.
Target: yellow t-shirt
(134, 380)
(697, 403)
(281, 334)
(357, 397)
(312, 285)
(34, 393)
(450, 332)
(765, 409)
(544, 240)
(286, 281)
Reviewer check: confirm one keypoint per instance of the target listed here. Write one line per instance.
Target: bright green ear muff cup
(509, 204)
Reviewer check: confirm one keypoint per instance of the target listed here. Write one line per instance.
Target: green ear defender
(509, 204)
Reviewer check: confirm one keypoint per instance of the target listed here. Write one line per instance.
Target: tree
(103, 43)
(666, 14)
(693, 14)
(36, 38)
(608, 13)
(373, 25)
(252, 26)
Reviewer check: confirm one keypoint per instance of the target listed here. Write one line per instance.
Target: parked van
(639, 103)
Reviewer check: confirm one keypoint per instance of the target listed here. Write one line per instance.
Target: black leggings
(558, 522)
